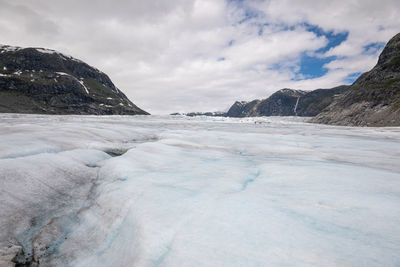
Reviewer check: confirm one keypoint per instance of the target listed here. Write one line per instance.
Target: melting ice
(177, 191)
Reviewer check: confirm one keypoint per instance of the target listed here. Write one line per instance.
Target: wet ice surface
(173, 191)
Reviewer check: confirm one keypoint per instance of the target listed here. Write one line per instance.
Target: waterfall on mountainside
(295, 106)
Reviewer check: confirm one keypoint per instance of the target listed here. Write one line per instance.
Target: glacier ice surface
(178, 191)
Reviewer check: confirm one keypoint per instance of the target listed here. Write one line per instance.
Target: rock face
(287, 102)
(36, 80)
(374, 98)
(315, 101)
(281, 103)
(243, 109)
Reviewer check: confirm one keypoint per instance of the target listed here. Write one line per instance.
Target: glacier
(197, 191)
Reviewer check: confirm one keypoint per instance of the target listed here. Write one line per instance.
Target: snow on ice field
(177, 191)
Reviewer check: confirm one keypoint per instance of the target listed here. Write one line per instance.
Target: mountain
(243, 109)
(317, 100)
(374, 98)
(287, 102)
(281, 103)
(37, 80)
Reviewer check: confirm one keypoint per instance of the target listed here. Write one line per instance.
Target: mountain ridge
(287, 102)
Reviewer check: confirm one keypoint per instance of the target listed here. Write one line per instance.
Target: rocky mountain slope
(287, 102)
(243, 109)
(37, 80)
(374, 98)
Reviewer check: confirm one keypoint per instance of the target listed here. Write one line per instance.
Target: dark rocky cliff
(243, 109)
(288, 102)
(280, 103)
(374, 98)
(312, 103)
(36, 80)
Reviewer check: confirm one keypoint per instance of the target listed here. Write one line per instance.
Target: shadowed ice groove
(115, 232)
(250, 180)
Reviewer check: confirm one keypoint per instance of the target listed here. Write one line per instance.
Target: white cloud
(164, 53)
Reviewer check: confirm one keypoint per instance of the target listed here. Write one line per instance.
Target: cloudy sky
(202, 55)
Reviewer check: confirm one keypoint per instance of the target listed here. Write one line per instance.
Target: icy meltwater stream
(174, 191)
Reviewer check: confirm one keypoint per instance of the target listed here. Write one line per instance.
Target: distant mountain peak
(292, 92)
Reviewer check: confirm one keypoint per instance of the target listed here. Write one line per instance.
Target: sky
(203, 55)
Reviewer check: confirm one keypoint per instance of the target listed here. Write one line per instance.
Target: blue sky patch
(373, 48)
(334, 39)
(352, 77)
(249, 12)
(312, 66)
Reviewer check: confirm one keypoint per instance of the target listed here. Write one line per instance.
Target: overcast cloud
(202, 55)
